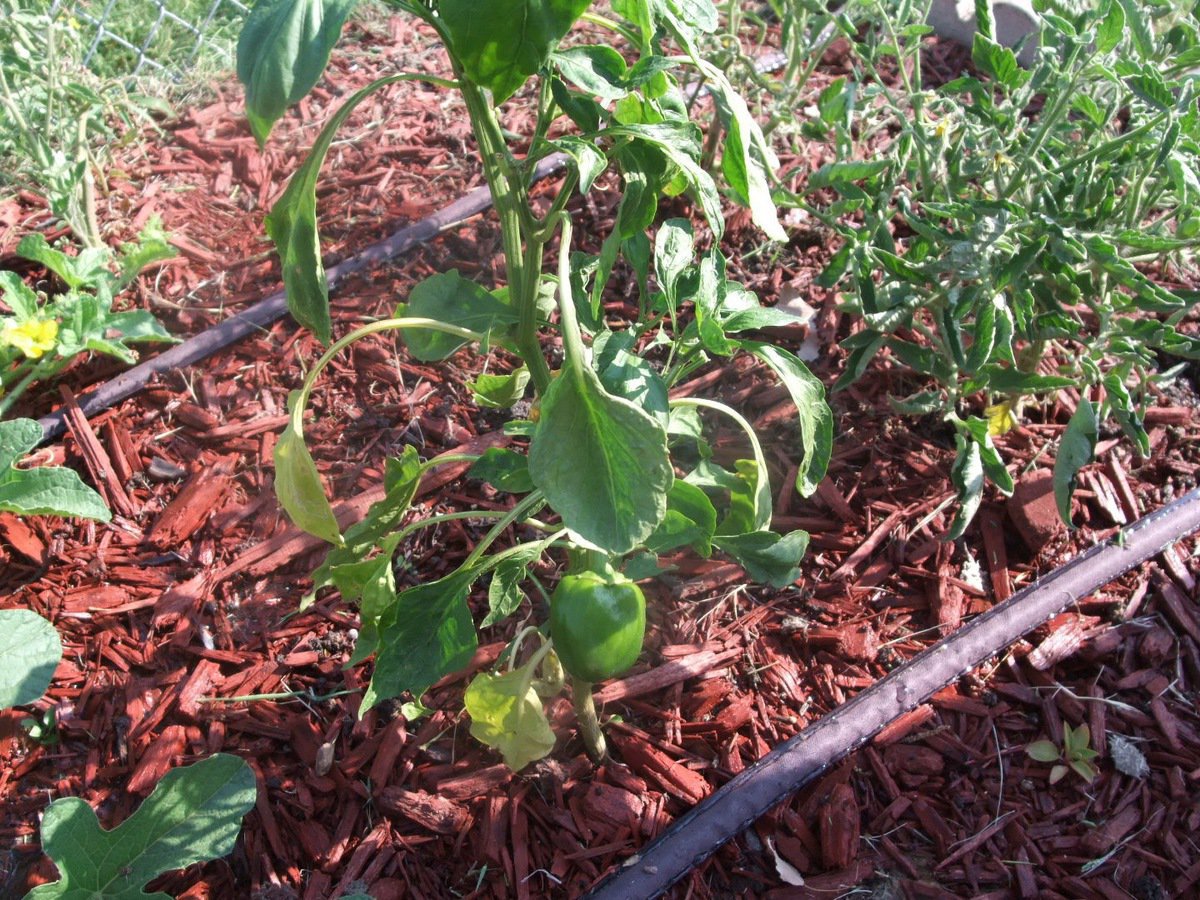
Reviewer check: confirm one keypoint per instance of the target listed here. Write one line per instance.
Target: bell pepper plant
(613, 470)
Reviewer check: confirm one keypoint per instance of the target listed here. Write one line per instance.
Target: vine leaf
(193, 815)
(31, 649)
(46, 490)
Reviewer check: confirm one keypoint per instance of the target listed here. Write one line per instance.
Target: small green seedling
(1076, 754)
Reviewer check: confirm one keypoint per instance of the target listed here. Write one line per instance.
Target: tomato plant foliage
(615, 471)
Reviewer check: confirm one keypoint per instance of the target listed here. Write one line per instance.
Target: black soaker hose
(274, 307)
(798, 761)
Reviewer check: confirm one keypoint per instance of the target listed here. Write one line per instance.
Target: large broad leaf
(501, 43)
(29, 653)
(691, 519)
(292, 223)
(282, 51)
(450, 298)
(767, 557)
(1075, 450)
(426, 633)
(298, 484)
(193, 815)
(45, 491)
(601, 462)
(814, 416)
(506, 714)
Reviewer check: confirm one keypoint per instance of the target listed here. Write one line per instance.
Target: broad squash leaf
(601, 461)
(282, 51)
(193, 815)
(44, 491)
(29, 653)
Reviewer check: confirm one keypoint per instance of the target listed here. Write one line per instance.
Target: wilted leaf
(506, 714)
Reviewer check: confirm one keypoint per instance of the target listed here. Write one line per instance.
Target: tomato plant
(1000, 250)
(615, 470)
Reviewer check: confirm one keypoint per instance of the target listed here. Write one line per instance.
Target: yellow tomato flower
(33, 337)
(1000, 418)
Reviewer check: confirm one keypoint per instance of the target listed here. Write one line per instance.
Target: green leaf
(840, 174)
(499, 391)
(1111, 28)
(43, 491)
(674, 251)
(450, 298)
(282, 51)
(977, 429)
(506, 714)
(19, 296)
(1126, 413)
(505, 470)
(426, 633)
(499, 44)
(292, 222)
(595, 69)
(601, 461)
(30, 650)
(747, 158)
(193, 815)
(813, 414)
(1002, 380)
(504, 593)
(691, 519)
(766, 556)
(679, 143)
(298, 484)
(967, 477)
(998, 61)
(625, 374)
(34, 247)
(1075, 450)
(589, 161)
(1043, 751)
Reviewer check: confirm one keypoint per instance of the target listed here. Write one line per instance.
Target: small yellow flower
(1000, 418)
(1001, 161)
(33, 337)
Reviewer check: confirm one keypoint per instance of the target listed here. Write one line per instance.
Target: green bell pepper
(597, 623)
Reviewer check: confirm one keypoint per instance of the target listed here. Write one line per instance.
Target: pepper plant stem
(522, 257)
(589, 723)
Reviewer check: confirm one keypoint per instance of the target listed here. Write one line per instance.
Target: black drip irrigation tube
(697, 834)
(274, 307)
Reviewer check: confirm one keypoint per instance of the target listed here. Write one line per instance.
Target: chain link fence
(166, 38)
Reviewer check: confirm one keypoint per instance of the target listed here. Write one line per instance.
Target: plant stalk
(589, 724)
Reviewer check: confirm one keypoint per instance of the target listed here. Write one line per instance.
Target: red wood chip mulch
(190, 595)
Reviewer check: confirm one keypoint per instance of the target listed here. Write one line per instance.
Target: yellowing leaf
(1001, 418)
(506, 713)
